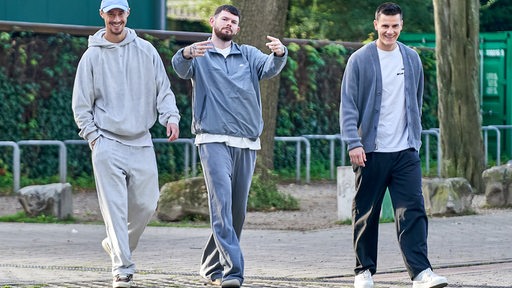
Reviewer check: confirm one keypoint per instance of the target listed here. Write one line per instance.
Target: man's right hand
(357, 156)
(197, 49)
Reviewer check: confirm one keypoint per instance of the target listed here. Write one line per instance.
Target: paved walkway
(472, 251)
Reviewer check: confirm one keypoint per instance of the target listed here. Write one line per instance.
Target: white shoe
(123, 281)
(363, 280)
(429, 279)
(106, 247)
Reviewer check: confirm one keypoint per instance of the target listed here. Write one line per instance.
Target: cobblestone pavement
(474, 276)
(471, 251)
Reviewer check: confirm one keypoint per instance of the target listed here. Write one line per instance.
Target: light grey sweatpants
(228, 174)
(127, 185)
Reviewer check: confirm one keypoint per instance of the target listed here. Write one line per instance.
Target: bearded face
(225, 34)
(225, 25)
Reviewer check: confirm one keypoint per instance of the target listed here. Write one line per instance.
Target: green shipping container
(495, 84)
(145, 14)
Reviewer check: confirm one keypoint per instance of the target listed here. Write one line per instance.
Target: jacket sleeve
(182, 66)
(83, 100)
(349, 112)
(267, 65)
(166, 100)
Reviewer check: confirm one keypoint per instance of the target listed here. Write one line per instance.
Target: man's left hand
(275, 46)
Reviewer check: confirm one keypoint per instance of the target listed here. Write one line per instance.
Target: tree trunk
(259, 19)
(457, 36)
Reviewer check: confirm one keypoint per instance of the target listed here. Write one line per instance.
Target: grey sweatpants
(127, 185)
(228, 174)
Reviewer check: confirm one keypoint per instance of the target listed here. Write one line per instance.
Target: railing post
(62, 154)
(298, 154)
(331, 139)
(189, 147)
(15, 164)
(498, 143)
(435, 132)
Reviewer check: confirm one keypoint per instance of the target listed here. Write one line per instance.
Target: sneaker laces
(123, 278)
(367, 275)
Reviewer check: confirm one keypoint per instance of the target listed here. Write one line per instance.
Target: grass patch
(181, 224)
(22, 217)
(191, 221)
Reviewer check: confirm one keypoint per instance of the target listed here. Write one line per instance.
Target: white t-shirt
(392, 130)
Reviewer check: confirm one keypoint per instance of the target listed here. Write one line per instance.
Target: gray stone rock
(498, 188)
(183, 198)
(54, 199)
(447, 195)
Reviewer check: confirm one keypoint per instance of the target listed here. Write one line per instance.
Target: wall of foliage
(36, 80)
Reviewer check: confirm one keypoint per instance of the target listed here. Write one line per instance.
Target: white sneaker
(106, 247)
(123, 281)
(363, 280)
(429, 279)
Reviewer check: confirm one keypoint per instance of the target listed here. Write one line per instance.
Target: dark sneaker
(123, 281)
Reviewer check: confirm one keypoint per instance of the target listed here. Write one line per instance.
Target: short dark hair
(388, 8)
(229, 8)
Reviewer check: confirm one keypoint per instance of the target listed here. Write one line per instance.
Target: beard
(223, 36)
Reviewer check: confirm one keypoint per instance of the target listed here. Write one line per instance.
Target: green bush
(264, 196)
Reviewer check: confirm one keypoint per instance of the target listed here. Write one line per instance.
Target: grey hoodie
(120, 89)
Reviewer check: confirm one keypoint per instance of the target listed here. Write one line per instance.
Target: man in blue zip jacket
(227, 121)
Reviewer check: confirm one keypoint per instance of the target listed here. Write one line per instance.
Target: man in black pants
(380, 119)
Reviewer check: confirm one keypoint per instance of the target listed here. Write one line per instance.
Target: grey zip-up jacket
(121, 89)
(361, 96)
(226, 95)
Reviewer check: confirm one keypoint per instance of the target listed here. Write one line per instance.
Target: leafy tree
(495, 15)
(350, 20)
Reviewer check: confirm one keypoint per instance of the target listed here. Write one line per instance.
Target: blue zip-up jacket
(226, 96)
(361, 96)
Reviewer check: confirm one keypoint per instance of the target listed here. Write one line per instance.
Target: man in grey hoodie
(227, 122)
(121, 88)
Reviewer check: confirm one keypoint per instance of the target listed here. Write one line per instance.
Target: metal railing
(426, 133)
(504, 127)
(15, 163)
(190, 155)
(486, 144)
(331, 139)
(190, 148)
(298, 140)
(62, 154)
